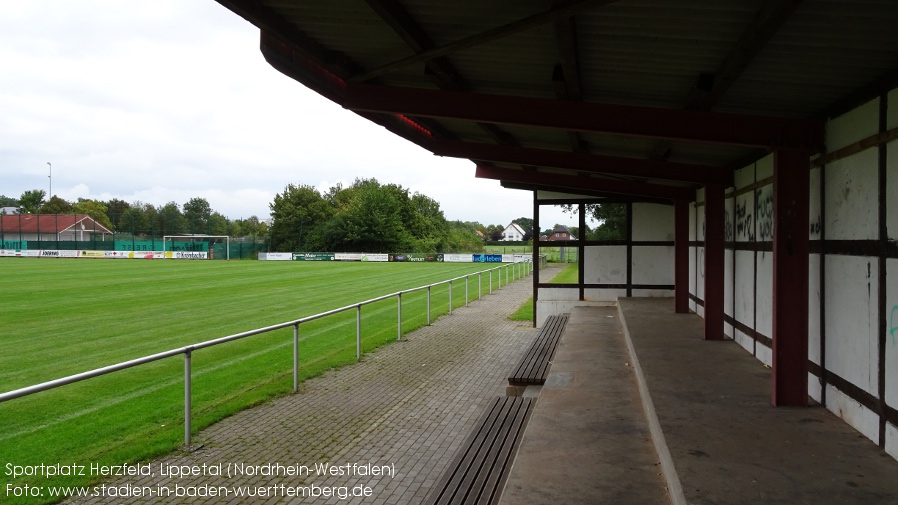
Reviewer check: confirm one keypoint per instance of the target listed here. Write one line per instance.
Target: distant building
(52, 227)
(8, 211)
(513, 233)
(561, 233)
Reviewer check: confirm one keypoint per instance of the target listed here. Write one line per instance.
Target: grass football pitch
(60, 317)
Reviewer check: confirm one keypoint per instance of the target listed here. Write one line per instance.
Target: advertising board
(313, 257)
(487, 258)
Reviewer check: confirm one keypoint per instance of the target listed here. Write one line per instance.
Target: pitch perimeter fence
(511, 272)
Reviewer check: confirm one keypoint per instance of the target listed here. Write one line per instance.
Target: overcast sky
(171, 99)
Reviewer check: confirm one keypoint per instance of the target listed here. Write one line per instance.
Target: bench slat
(481, 466)
(534, 365)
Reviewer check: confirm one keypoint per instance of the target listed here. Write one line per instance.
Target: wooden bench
(478, 472)
(534, 365)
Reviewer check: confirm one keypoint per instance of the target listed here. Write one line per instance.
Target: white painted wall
(844, 310)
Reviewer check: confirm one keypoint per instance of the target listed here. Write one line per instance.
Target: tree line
(366, 216)
(195, 216)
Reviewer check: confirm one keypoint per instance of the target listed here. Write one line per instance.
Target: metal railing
(518, 269)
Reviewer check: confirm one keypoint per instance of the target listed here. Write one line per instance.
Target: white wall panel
(764, 167)
(764, 301)
(851, 343)
(745, 288)
(605, 265)
(814, 210)
(600, 295)
(653, 293)
(700, 268)
(852, 412)
(891, 316)
(851, 196)
(653, 221)
(892, 440)
(693, 288)
(558, 294)
(764, 354)
(814, 387)
(728, 258)
(853, 126)
(892, 188)
(814, 308)
(653, 265)
(744, 176)
(892, 114)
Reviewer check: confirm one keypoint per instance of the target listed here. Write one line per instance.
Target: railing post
(428, 305)
(187, 399)
(479, 286)
(466, 289)
(491, 280)
(296, 357)
(450, 297)
(399, 317)
(358, 332)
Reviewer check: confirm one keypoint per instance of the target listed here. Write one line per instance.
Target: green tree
(218, 224)
(115, 209)
(134, 220)
(612, 219)
(6, 201)
(197, 212)
(525, 223)
(372, 222)
(56, 205)
(170, 220)
(31, 201)
(299, 216)
(94, 209)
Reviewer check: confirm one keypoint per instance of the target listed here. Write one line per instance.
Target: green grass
(60, 317)
(524, 312)
(570, 275)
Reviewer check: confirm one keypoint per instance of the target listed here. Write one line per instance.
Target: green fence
(240, 248)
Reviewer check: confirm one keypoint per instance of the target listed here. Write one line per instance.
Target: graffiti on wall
(815, 225)
(764, 202)
(745, 228)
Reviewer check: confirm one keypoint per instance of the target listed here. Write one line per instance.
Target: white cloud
(169, 100)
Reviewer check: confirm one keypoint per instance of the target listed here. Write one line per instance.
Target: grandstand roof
(646, 98)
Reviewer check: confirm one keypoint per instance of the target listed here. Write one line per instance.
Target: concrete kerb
(671, 478)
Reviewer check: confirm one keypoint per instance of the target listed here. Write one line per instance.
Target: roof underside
(643, 98)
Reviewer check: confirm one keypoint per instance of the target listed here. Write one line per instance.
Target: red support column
(681, 256)
(714, 262)
(791, 188)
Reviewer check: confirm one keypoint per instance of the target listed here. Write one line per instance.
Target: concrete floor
(718, 440)
(589, 440)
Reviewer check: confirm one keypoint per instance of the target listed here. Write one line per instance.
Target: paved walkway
(404, 409)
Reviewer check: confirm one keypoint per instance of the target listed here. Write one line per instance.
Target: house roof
(49, 223)
(641, 98)
(516, 227)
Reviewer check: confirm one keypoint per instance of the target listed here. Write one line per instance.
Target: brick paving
(408, 405)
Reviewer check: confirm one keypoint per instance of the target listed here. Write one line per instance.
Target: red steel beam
(714, 262)
(585, 162)
(585, 183)
(683, 125)
(791, 180)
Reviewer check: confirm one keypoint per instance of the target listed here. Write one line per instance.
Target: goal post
(197, 246)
